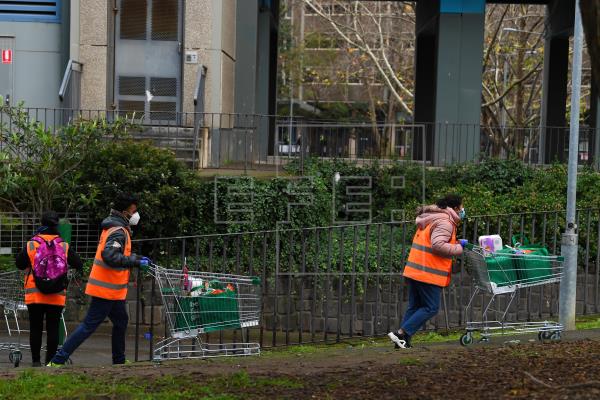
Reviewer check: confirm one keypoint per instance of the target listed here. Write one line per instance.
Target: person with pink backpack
(46, 259)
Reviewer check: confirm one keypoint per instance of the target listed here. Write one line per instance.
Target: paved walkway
(96, 351)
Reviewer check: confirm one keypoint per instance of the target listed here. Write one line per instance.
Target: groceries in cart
(501, 271)
(519, 264)
(490, 243)
(198, 303)
(195, 287)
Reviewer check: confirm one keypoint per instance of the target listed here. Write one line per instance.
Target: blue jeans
(97, 313)
(423, 304)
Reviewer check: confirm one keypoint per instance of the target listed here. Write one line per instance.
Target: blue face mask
(462, 214)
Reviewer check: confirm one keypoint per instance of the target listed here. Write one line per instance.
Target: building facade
(147, 56)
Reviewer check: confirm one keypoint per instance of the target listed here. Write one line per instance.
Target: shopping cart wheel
(15, 357)
(466, 339)
(544, 336)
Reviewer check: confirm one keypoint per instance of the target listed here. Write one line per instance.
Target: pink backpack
(50, 265)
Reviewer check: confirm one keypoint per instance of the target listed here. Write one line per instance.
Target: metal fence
(204, 140)
(332, 283)
(250, 141)
(17, 228)
(437, 144)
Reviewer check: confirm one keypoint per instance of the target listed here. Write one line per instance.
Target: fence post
(137, 315)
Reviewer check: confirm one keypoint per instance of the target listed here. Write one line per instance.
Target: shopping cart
(197, 303)
(503, 274)
(12, 299)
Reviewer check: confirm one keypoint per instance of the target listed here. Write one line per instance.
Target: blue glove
(463, 242)
(145, 264)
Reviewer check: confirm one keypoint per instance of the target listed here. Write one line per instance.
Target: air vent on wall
(30, 10)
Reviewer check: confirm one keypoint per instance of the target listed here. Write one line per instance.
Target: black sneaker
(401, 341)
(36, 364)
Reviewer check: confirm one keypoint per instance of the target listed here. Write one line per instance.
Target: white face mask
(134, 219)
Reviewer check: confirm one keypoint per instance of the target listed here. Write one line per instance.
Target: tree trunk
(520, 92)
(376, 145)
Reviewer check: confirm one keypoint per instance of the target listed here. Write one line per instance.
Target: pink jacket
(443, 222)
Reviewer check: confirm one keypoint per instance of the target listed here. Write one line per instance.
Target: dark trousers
(423, 304)
(99, 310)
(37, 312)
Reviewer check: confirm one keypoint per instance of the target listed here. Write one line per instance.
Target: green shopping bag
(210, 312)
(501, 268)
(219, 311)
(532, 266)
(187, 315)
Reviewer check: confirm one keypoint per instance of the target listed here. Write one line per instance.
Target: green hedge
(176, 201)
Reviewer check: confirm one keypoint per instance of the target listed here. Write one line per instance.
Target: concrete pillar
(263, 80)
(594, 124)
(256, 68)
(245, 68)
(74, 30)
(93, 53)
(427, 14)
(555, 138)
(448, 78)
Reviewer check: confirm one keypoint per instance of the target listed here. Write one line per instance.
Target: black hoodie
(115, 243)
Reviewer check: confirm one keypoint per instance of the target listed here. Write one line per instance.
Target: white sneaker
(398, 340)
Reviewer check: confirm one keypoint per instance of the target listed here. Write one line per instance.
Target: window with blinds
(30, 10)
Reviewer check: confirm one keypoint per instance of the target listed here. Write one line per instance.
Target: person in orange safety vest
(108, 281)
(48, 306)
(429, 264)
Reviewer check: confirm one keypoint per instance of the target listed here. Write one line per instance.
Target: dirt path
(567, 370)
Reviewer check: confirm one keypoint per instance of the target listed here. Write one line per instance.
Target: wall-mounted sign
(7, 56)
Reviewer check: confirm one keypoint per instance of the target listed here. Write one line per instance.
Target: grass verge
(45, 385)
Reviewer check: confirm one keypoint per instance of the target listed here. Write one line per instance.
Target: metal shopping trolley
(197, 303)
(503, 274)
(12, 299)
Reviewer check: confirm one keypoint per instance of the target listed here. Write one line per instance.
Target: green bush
(172, 197)
(176, 201)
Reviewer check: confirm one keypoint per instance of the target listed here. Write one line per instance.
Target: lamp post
(568, 285)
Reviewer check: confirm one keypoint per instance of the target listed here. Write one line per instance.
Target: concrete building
(34, 43)
(139, 55)
(332, 69)
(165, 59)
(162, 59)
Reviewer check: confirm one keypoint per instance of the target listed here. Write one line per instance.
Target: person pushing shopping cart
(429, 264)
(108, 281)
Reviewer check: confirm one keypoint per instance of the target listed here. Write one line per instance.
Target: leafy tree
(39, 163)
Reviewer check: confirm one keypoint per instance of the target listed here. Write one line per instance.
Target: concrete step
(165, 131)
(180, 140)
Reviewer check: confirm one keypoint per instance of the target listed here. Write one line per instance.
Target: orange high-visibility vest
(32, 294)
(105, 281)
(425, 266)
